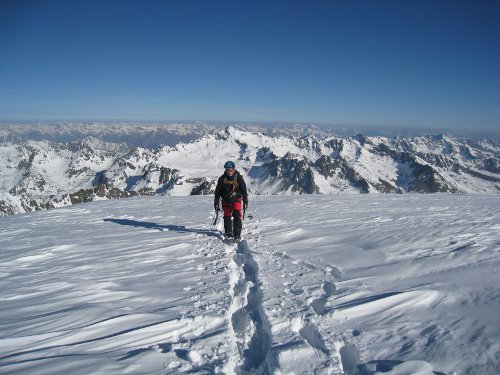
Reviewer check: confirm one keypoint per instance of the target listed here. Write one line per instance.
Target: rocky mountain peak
(41, 174)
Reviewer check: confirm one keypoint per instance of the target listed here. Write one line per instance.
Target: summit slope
(322, 284)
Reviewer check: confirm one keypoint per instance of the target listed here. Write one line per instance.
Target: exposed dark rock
(294, 174)
(426, 180)
(386, 187)
(81, 196)
(6, 209)
(492, 165)
(204, 188)
(353, 177)
(325, 166)
(111, 192)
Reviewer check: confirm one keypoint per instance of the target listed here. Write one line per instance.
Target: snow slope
(367, 284)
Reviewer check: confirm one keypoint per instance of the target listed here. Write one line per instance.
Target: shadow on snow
(174, 228)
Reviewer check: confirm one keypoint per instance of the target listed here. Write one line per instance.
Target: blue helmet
(229, 165)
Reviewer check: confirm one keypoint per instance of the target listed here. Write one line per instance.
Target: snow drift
(361, 284)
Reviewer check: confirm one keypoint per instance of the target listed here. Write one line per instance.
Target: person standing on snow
(231, 189)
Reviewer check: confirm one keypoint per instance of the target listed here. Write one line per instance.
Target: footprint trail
(252, 337)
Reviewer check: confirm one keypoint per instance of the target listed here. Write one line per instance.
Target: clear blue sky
(414, 63)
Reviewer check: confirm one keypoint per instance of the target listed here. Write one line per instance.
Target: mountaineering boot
(237, 227)
(228, 226)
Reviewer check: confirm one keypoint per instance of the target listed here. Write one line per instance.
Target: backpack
(231, 188)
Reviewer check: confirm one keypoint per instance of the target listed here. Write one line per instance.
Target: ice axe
(250, 217)
(216, 217)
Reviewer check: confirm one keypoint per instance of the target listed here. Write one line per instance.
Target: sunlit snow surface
(394, 284)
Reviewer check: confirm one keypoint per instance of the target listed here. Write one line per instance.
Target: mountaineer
(231, 190)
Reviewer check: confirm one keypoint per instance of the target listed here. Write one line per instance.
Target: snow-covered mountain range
(43, 174)
(136, 134)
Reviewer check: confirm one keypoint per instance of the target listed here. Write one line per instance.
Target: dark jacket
(231, 189)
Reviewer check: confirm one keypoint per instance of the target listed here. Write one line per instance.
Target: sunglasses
(230, 169)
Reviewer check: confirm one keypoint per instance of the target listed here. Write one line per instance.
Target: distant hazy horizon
(339, 129)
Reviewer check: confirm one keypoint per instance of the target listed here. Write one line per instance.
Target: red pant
(232, 209)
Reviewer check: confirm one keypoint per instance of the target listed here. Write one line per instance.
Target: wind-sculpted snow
(363, 284)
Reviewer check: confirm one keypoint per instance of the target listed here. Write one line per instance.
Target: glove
(245, 205)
